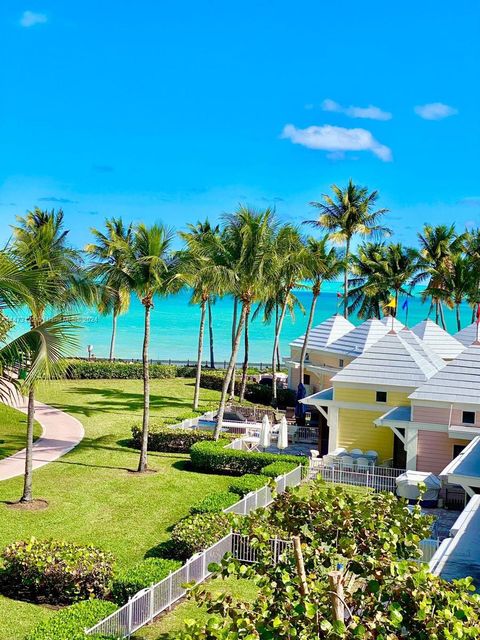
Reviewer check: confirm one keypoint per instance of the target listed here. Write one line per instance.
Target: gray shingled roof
(325, 333)
(423, 348)
(445, 345)
(389, 320)
(359, 339)
(468, 335)
(394, 360)
(457, 382)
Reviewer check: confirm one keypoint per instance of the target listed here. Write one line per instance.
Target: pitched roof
(457, 382)
(325, 333)
(360, 338)
(392, 323)
(439, 340)
(423, 348)
(394, 360)
(468, 335)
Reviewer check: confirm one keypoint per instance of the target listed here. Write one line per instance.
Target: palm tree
(199, 269)
(108, 270)
(252, 233)
(350, 212)
(40, 242)
(152, 271)
(472, 251)
(459, 283)
(322, 264)
(437, 246)
(287, 272)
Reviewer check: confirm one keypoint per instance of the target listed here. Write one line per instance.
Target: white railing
(375, 478)
(242, 548)
(149, 603)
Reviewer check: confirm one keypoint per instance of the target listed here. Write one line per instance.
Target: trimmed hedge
(246, 484)
(104, 369)
(215, 502)
(256, 393)
(150, 571)
(165, 439)
(55, 572)
(276, 469)
(70, 623)
(212, 457)
(195, 533)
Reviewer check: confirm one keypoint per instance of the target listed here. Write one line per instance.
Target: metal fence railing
(375, 478)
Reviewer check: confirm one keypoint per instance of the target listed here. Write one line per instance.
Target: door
(399, 453)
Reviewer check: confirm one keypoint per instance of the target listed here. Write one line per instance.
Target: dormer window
(468, 417)
(381, 396)
(341, 363)
(307, 357)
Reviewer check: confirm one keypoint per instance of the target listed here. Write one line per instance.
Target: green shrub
(150, 571)
(166, 439)
(104, 369)
(215, 502)
(213, 380)
(196, 533)
(55, 572)
(70, 623)
(213, 457)
(247, 483)
(276, 469)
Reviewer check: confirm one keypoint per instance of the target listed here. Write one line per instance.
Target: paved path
(60, 433)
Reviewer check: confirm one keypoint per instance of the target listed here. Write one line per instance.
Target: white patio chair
(356, 452)
(346, 463)
(328, 460)
(314, 453)
(371, 453)
(363, 464)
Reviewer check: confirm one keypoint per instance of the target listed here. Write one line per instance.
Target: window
(306, 378)
(307, 357)
(468, 417)
(341, 363)
(381, 396)
(457, 449)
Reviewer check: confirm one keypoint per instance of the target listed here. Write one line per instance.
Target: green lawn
(12, 431)
(92, 496)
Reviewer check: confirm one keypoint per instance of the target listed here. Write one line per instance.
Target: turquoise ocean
(175, 327)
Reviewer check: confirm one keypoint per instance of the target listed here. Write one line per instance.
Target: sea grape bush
(247, 483)
(196, 533)
(145, 573)
(55, 572)
(106, 370)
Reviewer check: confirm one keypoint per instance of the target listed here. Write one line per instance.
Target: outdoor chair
(363, 464)
(292, 433)
(314, 453)
(371, 454)
(328, 461)
(356, 452)
(346, 463)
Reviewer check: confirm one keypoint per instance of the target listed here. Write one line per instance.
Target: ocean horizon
(175, 323)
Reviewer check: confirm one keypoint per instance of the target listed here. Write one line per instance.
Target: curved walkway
(60, 433)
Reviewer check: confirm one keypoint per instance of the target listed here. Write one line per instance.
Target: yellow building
(383, 376)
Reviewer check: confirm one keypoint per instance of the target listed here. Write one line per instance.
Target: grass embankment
(13, 425)
(93, 496)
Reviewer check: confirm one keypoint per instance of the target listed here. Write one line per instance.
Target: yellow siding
(367, 396)
(357, 431)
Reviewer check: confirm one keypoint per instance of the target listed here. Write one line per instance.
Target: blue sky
(172, 111)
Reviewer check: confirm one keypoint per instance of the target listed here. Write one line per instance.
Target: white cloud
(336, 139)
(435, 111)
(30, 19)
(370, 112)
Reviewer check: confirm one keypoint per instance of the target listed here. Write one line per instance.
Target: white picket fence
(150, 602)
(375, 478)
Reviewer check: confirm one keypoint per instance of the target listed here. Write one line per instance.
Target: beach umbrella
(283, 434)
(265, 434)
(299, 406)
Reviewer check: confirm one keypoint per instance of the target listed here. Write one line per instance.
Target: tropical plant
(251, 233)
(110, 253)
(323, 263)
(198, 267)
(349, 212)
(460, 282)
(40, 242)
(152, 271)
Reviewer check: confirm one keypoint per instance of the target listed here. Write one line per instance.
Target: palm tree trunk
(210, 334)
(442, 317)
(142, 464)
(396, 303)
(196, 394)
(28, 479)
(279, 359)
(231, 364)
(459, 323)
(245, 360)
(307, 334)
(114, 334)
(231, 394)
(436, 312)
(275, 346)
(345, 279)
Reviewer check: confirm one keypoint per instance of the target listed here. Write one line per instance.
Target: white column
(411, 445)
(333, 424)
